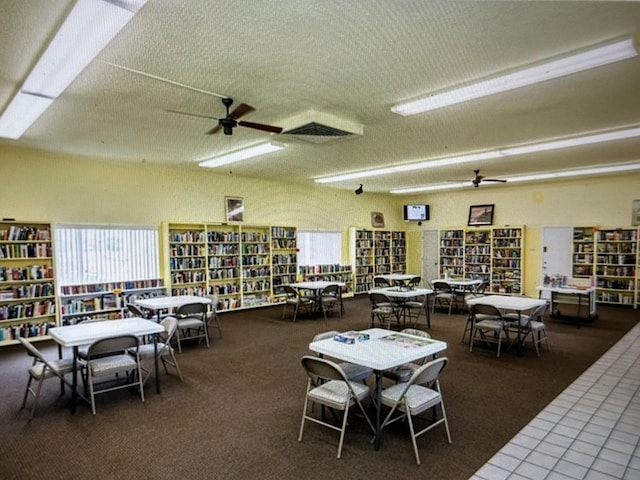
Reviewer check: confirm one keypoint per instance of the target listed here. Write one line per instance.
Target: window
(99, 254)
(319, 248)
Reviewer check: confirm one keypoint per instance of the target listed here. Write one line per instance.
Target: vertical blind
(319, 248)
(99, 254)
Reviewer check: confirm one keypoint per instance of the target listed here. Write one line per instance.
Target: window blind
(105, 253)
(319, 248)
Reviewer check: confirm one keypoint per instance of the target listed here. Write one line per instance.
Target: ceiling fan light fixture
(243, 154)
(90, 26)
(541, 72)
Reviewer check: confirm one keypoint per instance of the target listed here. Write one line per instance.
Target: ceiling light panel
(239, 155)
(555, 68)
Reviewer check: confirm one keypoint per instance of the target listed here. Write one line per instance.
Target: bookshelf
(374, 253)
(451, 252)
(583, 249)
(187, 260)
(223, 265)
(256, 266)
(477, 254)
(609, 258)
(27, 283)
(332, 273)
(491, 254)
(615, 266)
(284, 255)
(362, 255)
(104, 301)
(240, 264)
(398, 252)
(506, 260)
(382, 252)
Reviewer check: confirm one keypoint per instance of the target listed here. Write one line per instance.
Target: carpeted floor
(237, 414)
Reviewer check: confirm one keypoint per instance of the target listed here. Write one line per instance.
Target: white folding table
(316, 286)
(404, 293)
(385, 349)
(512, 303)
(158, 304)
(397, 278)
(79, 334)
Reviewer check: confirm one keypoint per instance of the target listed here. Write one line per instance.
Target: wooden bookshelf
(491, 254)
(240, 264)
(105, 301)
(27, 281)
(451, 252)
(284, 255)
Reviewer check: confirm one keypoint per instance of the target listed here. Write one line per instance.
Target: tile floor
(591, 431)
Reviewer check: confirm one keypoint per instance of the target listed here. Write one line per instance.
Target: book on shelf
(351, 336)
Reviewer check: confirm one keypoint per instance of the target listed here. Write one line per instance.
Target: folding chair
(329, 386)
(422, 392)
(40, 370)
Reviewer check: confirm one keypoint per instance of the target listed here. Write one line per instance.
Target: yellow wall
(63, 189)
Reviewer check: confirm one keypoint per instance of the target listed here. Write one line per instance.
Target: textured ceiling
(348, 59)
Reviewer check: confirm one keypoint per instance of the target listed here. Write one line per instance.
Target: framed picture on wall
(377, 219)
(635, 220)
(234, 209)
(480, 215)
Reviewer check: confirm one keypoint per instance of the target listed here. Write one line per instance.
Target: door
(556, 252)
(429, 256)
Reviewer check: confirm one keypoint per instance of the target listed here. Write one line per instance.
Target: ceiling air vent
(317, 127)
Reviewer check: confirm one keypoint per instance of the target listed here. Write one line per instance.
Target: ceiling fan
(478, 179)
(230, 121)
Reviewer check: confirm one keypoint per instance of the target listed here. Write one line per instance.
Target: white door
(556, 251)
(429, 256)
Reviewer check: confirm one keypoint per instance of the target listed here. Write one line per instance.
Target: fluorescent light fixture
(21, 113)
(573, 142)
(90, 26)
(624, 167)
(238, 155)
(555, 68)
(409, 167)
(505, 152)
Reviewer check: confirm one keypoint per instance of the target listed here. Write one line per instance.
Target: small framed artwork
(480, 215)
(234, 209)
(635, 220)
(377, 219)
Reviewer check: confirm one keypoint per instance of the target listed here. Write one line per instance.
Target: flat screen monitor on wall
(416, 212)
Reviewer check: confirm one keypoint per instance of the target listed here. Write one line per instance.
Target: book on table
(351, 336)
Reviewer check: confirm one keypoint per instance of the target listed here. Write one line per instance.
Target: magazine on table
(408, 341)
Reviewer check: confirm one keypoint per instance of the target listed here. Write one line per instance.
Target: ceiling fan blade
(192, 114)
(260, 126)
(215, 129)
(494, 180)
(241, 110)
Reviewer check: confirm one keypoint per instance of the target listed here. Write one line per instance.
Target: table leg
(378, 405)
(74, 390)
(155, 361)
